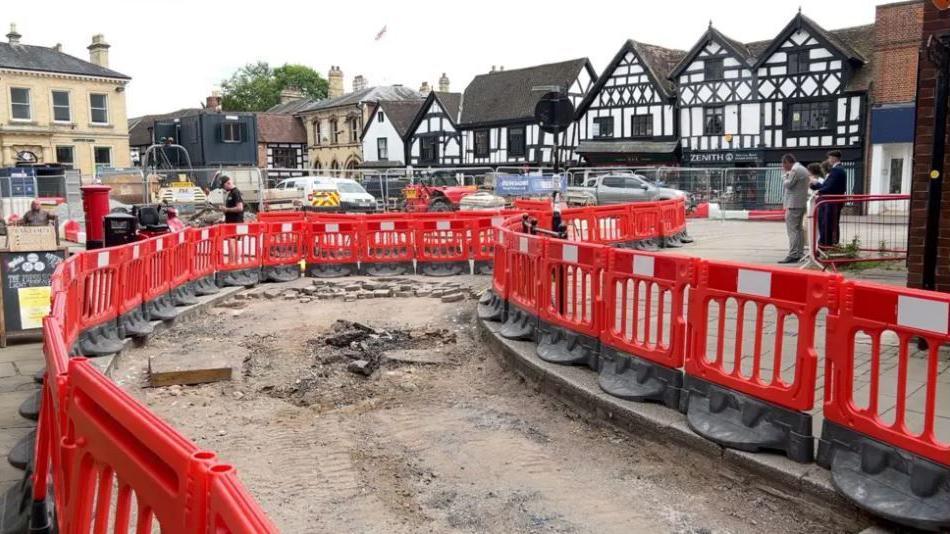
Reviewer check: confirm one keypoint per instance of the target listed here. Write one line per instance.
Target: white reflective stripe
(241, 229)
(443, 225)
(644, 265)
(523, 245)
(332, 228)
(204, 235)
(388, 225)
(923, 314)
(102, 260)
(226, 247)
(135, 252)
(159, 244)
(757, 283)
(496, 221)
(181, 237)
(286, 227)
(569, 253)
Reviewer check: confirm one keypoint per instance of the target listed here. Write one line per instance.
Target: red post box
(95, 204)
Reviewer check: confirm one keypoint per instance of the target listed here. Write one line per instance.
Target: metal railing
(858, 229)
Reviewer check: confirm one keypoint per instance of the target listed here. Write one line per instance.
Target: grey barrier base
(483, 267)
(560, 345)
(22, 453)
(134, 324)
(205, 286)
(331, 270)
(649, 245)
(240, 277)
(885, 480)
(184, 295)
(519, 324)
(280, 273)
(99, 340)
(23, 515)
(160, 309)
(629, 377)
(491, 307)
(447, 268)
(738, 421)
(30, 407)
(396, 268)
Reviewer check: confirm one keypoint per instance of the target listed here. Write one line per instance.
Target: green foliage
(257, 87)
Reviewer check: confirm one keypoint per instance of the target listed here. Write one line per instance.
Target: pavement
(18, 363)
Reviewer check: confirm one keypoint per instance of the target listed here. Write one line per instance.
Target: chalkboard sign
(26, 287)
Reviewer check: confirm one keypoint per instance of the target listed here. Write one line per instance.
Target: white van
(352, 195)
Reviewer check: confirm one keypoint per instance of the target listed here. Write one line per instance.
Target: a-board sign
(26, 287)
(31, 238)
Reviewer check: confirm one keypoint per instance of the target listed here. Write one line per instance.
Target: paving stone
(403, 294)
(423, 293)
(453, 297)
(383, 293)
(29, 368)
(7, 369)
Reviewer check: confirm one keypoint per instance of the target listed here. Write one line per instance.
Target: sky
(178, 51)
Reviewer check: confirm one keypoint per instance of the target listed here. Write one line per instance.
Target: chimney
(291, 93)
(444, 83)
(359, 83)
(99, 51)
(336, 82)
(13, 37)
(213, 102)
(424, 88)
(493, 68)
(58, 47)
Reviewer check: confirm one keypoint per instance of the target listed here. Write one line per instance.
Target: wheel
(440, 204)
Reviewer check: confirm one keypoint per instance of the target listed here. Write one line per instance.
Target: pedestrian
(829, 212)
(233, 201)
(171, 218)
(795, 182)
(36, 216)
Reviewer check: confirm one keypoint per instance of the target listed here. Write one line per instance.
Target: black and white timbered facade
(629, 117)
(497, 117)
(434, 138)
(385, 133)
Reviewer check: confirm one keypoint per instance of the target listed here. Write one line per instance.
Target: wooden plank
(188, 368)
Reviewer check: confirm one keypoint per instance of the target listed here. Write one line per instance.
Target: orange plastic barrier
(239, 254)
(443, 247)
(386, 247)
(285, 245)
(333, 249)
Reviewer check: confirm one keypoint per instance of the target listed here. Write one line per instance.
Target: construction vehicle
(438, 191)
(168, 183)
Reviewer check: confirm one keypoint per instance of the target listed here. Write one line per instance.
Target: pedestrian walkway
(18, 364)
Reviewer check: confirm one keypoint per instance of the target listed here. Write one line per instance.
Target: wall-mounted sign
(26, 156)
(724, 156)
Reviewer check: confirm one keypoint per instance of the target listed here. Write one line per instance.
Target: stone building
(61, 109)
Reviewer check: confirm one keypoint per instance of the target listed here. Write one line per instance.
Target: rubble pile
(379, 287)
(364, 347)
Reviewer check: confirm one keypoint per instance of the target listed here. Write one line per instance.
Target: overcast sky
(177, 51)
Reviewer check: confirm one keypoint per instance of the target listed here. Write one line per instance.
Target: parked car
(352, 195)
(619, 189)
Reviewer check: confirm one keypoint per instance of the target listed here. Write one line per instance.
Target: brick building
(897, 31)
(936, 23)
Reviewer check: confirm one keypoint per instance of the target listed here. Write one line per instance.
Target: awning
(627, 147)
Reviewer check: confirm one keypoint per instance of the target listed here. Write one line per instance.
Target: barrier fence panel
(748, 385)
(483, 232)
(442, 247)
(886, 436)
(386, 247)
(524, 285)
(159, 306)
(870, 229)
(644, 225)
(133, 286)
(230, 508)
(204, 259)
(570, 303)
(99, 273)
(492, 306)
(285, 246)
(179, 269)
(644, 333)
(239, 254)
(333, 249)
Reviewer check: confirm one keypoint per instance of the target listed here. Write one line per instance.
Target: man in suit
(795, 182)
(835, 183)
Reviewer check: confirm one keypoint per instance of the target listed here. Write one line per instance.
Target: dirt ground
(439, 439)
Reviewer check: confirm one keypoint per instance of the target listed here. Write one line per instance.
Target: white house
(383, 137)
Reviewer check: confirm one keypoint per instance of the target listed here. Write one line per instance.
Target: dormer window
(713, 69)
(381, 117)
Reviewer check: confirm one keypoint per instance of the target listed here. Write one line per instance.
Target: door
(637, 190)
(896, 176)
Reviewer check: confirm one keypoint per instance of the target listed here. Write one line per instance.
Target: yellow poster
(34, 305)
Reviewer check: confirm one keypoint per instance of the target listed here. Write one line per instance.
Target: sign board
(517, 185)
(554, 112)
(31, 238)
(724, 156)
(25, 291)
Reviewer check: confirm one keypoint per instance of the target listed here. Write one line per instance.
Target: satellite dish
(554, 112)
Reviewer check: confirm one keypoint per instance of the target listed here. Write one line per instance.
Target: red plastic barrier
(281, 216)
(484, 232)
(333, 242)
(524, 267)
(644, 221)
(571, 286)
(907, 314)
(611, 224)
(99, 279)
(669, 218)
(157, 279)
(530, 204)
(203, 255)
(581, 224)
(499, 275)
(69, 291)
(386, 241)
(791, 294)
(444, 240)
(239, 247)
(179, 259)
(285, 243)
(133, 278)
(231, 508)
(644, 301)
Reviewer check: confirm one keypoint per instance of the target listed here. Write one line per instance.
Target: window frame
(92, 109)
(433, 154)
(720, 63)
(232, 125)
(599, 122)
(798, 55)
(648, 118)
(354, 130)
(722, 120)
(334, 132)
(380, 117)
(522, 145)
(72, 154)
(29, 104)
(810, 106)
(478, 148)
(53, 106)
(382, 146)
(285, 152)
(95, 150)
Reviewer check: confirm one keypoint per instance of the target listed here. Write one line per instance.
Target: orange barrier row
(735, 347)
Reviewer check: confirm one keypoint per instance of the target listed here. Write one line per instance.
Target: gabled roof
(291, 106)
(370, 94)
(399, 113)
(43, 59)
(508, 96)
(741, 51)
(833, 39)
(280, 128)
(450, 102)
(657, 61)
(861, 41)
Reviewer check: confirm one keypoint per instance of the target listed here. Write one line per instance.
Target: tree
(257, 87)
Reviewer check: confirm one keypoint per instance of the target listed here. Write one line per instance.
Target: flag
(381, 33)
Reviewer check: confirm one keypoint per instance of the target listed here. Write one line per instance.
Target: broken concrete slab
(453, 297)
(418, 356)
(194, 367)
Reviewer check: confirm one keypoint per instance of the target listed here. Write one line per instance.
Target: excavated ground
(386, 415)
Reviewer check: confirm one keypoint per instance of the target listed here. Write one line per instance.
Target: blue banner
(516, 185)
